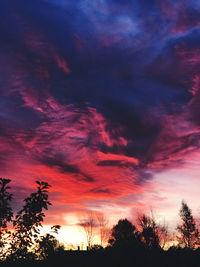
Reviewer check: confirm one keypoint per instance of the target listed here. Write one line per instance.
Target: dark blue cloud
(122, 59)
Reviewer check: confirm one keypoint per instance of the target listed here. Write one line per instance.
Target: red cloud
(62, 64)
(65, 151)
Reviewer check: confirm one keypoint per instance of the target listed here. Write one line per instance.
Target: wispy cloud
(98, 98)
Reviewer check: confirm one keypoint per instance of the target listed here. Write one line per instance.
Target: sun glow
(72, 237)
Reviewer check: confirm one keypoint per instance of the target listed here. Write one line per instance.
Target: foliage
(5, 207)
(149, 231)
(189, 234)
(123, 234)
(28, 244)
(48, 245)
(27, 223)
(5, 213)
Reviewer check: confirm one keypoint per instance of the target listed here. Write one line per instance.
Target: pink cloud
(62, 64)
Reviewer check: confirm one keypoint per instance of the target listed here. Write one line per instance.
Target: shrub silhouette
(48, 245)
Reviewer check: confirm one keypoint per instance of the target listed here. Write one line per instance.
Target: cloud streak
(98, 98)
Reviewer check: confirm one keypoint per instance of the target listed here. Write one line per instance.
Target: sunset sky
(101, 99)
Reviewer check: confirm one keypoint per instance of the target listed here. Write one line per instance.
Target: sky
(100, 98)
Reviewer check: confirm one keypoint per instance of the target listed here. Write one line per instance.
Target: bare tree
(163, 234)
(148, 231)
(104, 231)
(153, 234)
(89, 224)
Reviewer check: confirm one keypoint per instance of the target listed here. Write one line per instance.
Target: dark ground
(183, 258)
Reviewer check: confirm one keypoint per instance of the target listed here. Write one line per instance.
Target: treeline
(146, 232)
(151, 235)
(21, 239)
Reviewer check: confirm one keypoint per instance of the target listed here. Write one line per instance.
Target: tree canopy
(188, 232)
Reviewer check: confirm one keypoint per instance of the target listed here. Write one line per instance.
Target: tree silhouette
(27, 223)
(104, 231)
(48, 245)
(149, 231)
(189, 234)
(123, 234)
(163, 234)
(88, 224)
(5, 213)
